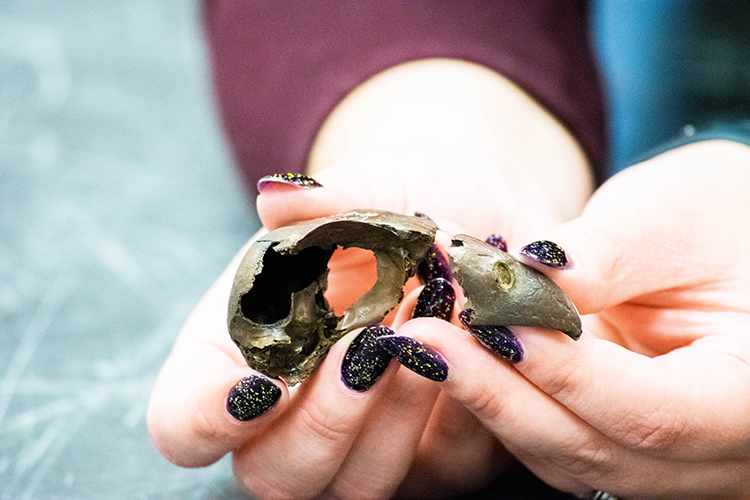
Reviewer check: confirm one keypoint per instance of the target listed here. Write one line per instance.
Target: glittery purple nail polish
(291, 179)
(436, 300)
(416, 356)
(499, 339)
(548, 253)
(434, 265)
(251, 397)
(365, 360)
(497, 241)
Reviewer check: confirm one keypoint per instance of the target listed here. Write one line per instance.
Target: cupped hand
(321, 438)
(448, 139)
(653, 401)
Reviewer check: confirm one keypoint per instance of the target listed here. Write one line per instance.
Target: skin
(653, 400)
(665, 413)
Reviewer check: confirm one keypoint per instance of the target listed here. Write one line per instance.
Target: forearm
(465, 111)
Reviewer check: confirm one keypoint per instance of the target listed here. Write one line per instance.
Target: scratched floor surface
(118, 207)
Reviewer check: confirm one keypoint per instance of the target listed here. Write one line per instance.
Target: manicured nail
(416, 356)
(434, 265)
(497, 241)
(251, 397)
(297, 180)
(547, 253)
(436, 300)
(424, 216)
(365, 360)
(499, 339)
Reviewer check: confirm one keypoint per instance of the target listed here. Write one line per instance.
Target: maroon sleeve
(280, 67)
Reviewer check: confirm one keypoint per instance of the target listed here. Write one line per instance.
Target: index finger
(188, 415)
(692, 403)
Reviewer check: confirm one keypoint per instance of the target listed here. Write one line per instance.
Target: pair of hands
(652, 401)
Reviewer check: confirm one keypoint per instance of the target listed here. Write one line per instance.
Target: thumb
(657, 226)
(288, 198)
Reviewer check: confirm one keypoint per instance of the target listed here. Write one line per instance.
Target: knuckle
(487, 405)
(611, 255)
(205, 429)
(565, 385)
(606, 253)
(258, 483)
(264, 491)
(657, 432)
(203, 448)
(355, 491)
(328, 427)
(589, 458)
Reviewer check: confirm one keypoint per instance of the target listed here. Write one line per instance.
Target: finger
(560, 446)
(187, 416)
(456, 454)
(302, 452)
(387, 444)
(657, 226)
(341, 189)
(527, 421)
(692, 403)
(372, 470)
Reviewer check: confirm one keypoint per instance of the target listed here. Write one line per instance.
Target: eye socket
(269, 300)
(503, 275)
(279, 314)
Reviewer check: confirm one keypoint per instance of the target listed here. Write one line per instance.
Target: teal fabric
(671, 66)
(720, 130)
(119, 206)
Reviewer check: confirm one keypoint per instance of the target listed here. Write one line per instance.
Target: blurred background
(119, 207)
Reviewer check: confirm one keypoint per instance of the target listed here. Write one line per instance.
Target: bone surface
(501, 291)
(278, 314)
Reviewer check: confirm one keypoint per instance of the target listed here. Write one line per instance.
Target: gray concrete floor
(118, 207)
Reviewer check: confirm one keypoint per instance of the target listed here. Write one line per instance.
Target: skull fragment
(282, 323)
(278, 314)
(501, 291)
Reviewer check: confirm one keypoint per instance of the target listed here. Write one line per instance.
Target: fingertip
(292, 180)
(417, 356)
(499, 339)
(252, 396)
(194, 420)
(365, 360)
(583, 261)
(546, 253)
(281, 204)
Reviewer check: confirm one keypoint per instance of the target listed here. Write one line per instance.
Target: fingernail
(497, 241)
(548, 253)
(251, 397)
(436, 300)
(416, 356)
(365, 360)
(499, 339)
(291, 179)
(434, 266)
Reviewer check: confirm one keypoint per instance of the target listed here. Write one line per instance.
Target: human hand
(319, 439)
(322, 438)
(654, 400)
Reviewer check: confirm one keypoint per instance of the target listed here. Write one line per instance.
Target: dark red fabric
(280, 66)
